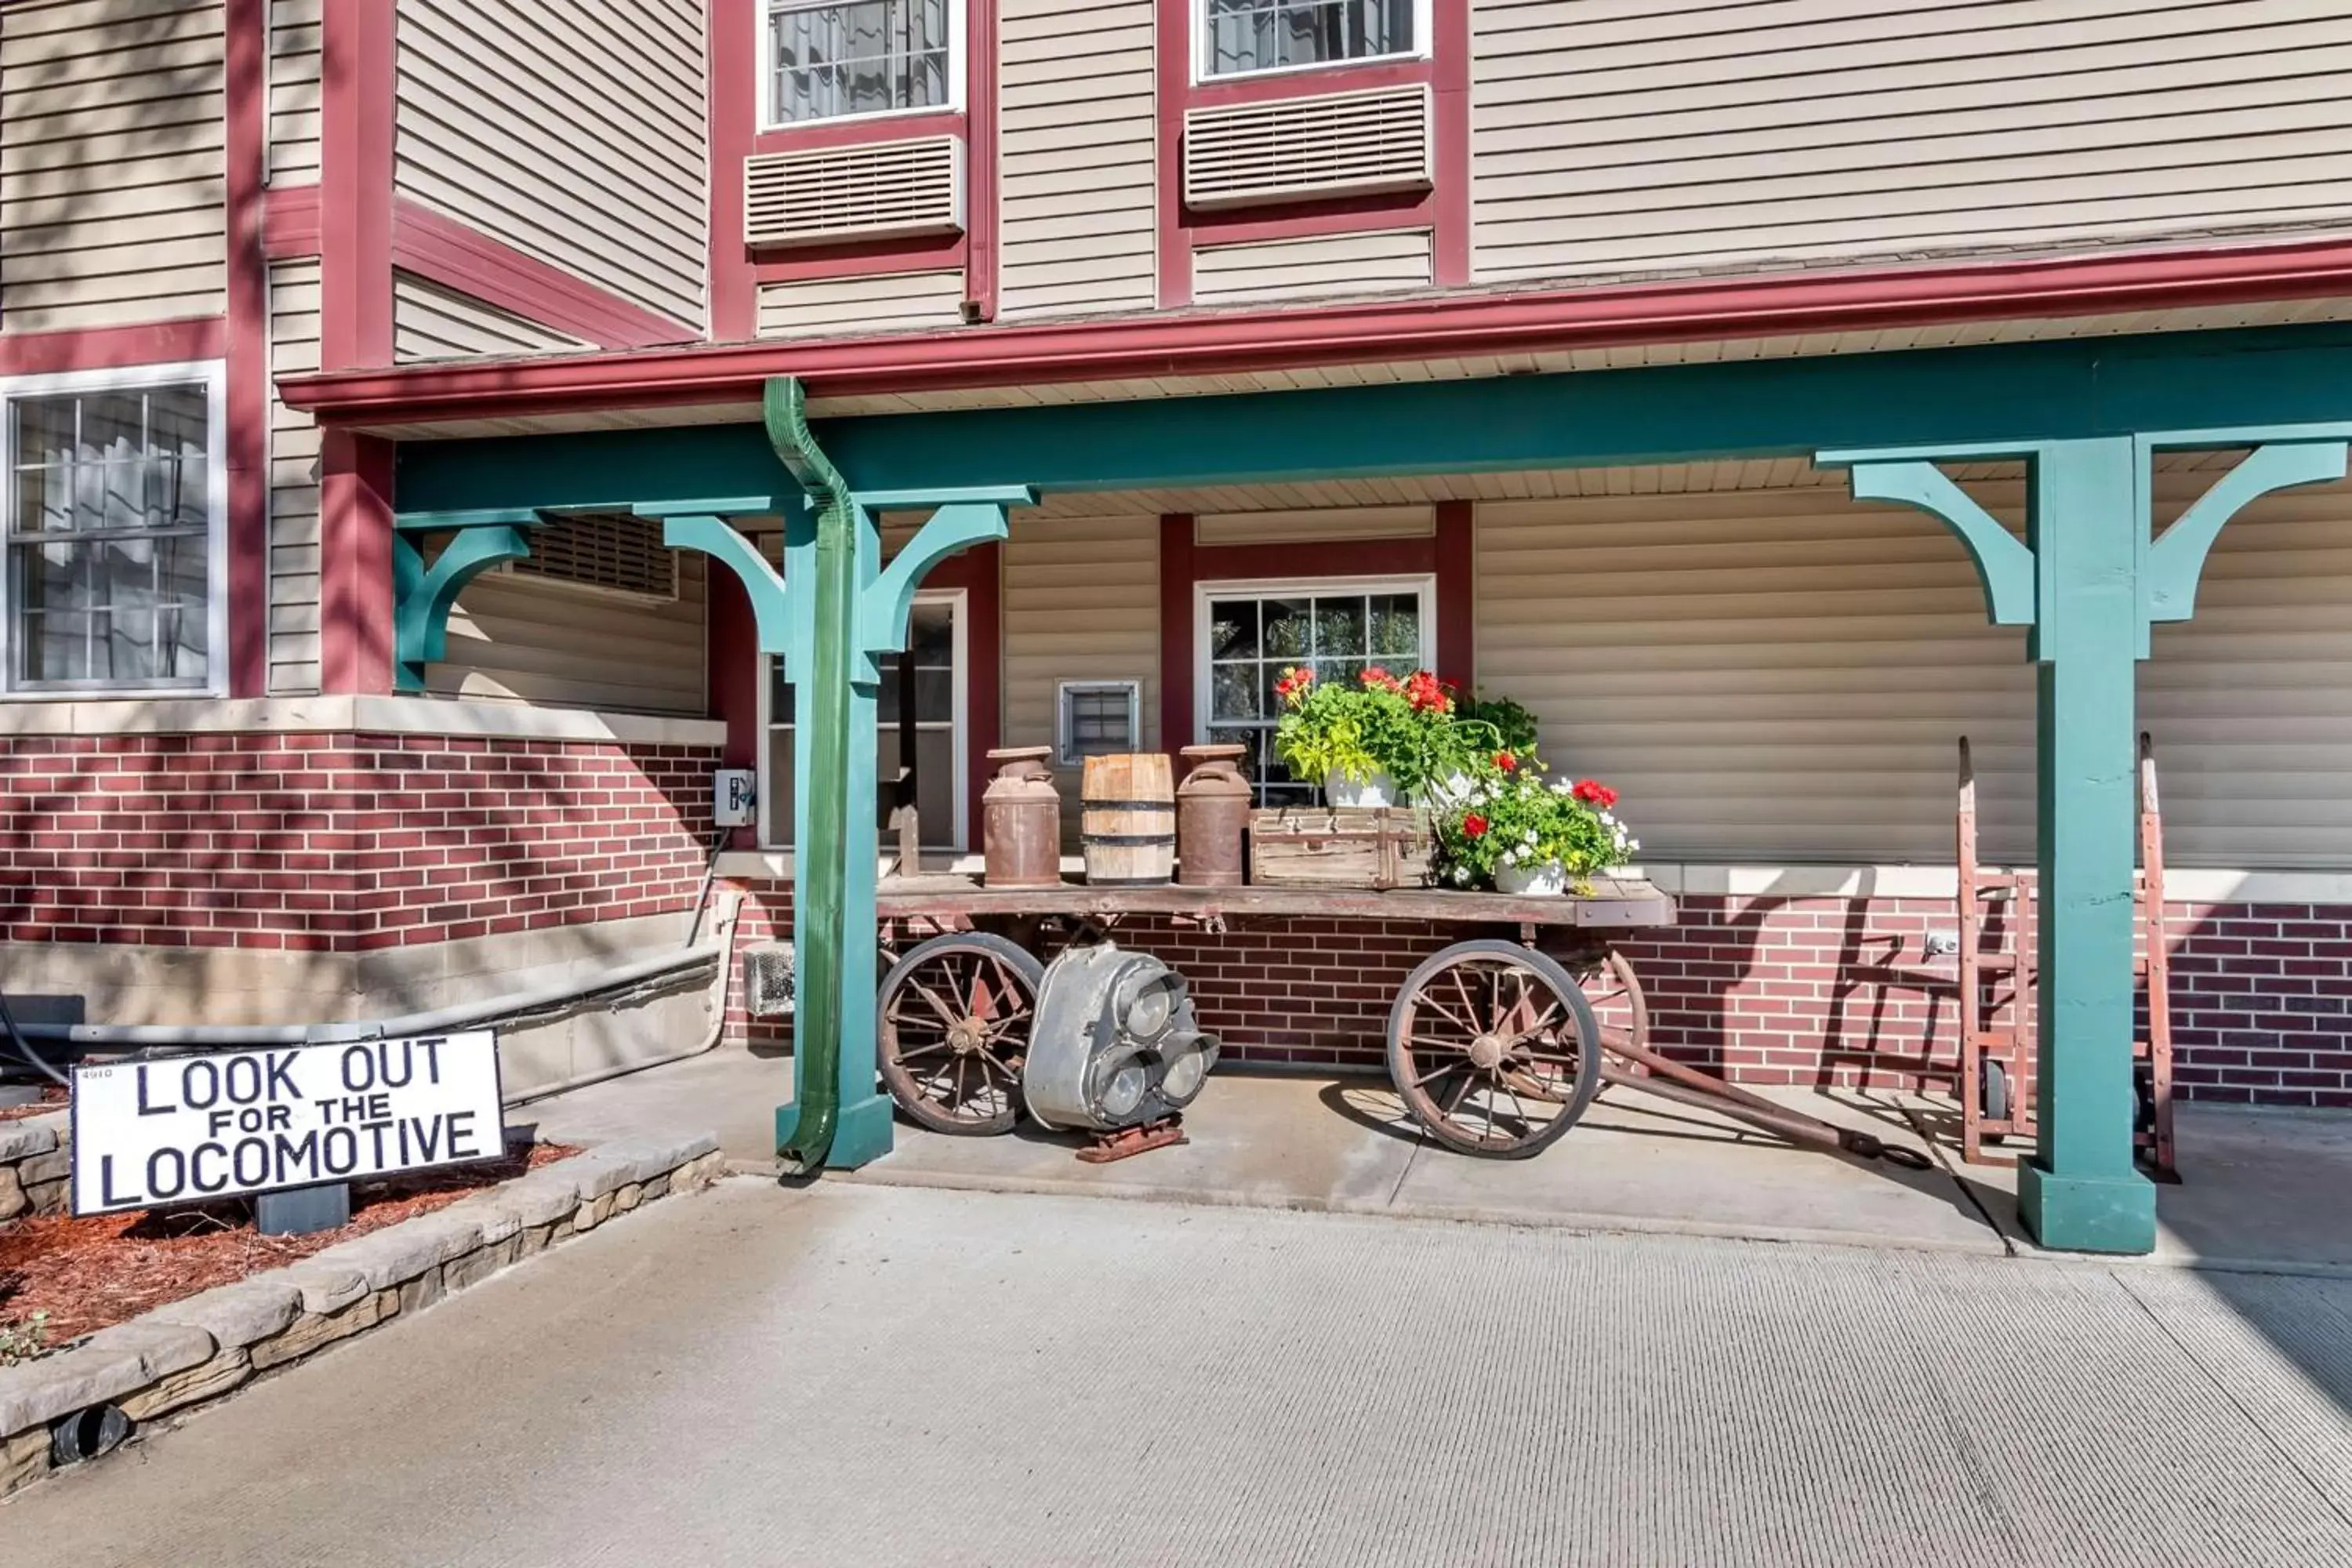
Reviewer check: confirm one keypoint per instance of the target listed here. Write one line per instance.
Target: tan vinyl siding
(1777, 675)
(294, 69)
(112, 200)
(1633, 136)
(1077, 140)
(1319, 526)
(1301, 268)
(1081, 603)
(877, 304)
(293, 484)
(575, 133)
(527, 640)
(432, 323)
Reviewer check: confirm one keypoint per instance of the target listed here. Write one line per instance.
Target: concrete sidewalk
(856, 1375)
(2264, 1189)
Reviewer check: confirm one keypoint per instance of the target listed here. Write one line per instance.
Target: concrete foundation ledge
(180, 1356)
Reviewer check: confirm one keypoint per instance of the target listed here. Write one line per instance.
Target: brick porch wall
(341, 842)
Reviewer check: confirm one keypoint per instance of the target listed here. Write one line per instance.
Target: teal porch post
(2089, 582)
(830, 615)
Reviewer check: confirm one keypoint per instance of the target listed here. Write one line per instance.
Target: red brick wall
(341, 842)
(1822, 991)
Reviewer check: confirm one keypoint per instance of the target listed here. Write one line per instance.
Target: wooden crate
(1339, 847)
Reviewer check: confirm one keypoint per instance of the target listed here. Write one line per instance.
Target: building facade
(1537, 337)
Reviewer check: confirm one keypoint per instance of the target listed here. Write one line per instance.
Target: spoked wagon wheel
(952, 1026)
(1614, 994)
(1493, 1048)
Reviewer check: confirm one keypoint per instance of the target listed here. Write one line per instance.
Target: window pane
(861, 57)
(1289, 629)
(1233, 629)
(1396, 625)
(1233, 691)
(1339, 627)
(1270, 34)
(1098, 724)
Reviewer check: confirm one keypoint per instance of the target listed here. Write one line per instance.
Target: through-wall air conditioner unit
(875, 190)
(1308, 149)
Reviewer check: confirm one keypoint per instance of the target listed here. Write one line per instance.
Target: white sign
(187, 1128)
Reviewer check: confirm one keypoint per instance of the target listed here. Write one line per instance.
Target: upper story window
(1240, 37)
(111, 525)
(831, 59)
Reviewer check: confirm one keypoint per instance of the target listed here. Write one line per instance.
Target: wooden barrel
(1126, 824)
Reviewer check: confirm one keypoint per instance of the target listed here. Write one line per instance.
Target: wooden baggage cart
(1497, 1044)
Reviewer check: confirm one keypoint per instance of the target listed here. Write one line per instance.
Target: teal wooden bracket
(2176, 562)
(2004, 564)
(889, 603)
(716, 537)
(422, 596)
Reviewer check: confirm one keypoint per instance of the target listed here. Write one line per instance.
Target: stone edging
(36, 1166)
(190, 1351)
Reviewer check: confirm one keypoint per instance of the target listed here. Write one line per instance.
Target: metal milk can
(1021, 821)
(1212, 809)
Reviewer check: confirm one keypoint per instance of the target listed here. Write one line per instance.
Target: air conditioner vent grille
(874, 190)
(1302, 149)
(616, 551)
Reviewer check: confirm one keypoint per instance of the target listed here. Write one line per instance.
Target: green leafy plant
(1377, 724)
(1510, 726)
(26, 1341)
(1513, 814)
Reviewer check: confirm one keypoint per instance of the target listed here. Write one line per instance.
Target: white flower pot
(1549, 880)
(1378, 790)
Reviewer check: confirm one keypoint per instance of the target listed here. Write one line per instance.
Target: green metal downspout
(805, 1128)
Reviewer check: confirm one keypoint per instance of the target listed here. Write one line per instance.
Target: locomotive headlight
(1146, 1000)
(1188, 1068)
(1123, 1092)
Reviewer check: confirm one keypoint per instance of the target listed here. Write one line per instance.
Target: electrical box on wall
(735, 797)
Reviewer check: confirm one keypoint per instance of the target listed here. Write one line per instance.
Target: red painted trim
(1177, 574)
(980, 572)
(1341, 558)
(355, 182)
(1455, 561)
(440, 250)
(355, 563)
(291, 221)
(851, 133)
(1450, 106)
(1444, 210)
(982, 174)
(1249, 226)
(244, 166)
(1227, 343)
(114, 347)
(1173, 69)
(733, 674)
(734, 119)
(873, 259)
(1313, 82)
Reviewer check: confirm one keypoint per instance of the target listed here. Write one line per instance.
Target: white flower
(1632, 844)
(1612, 821)
(1510, 856)
(1461, 877)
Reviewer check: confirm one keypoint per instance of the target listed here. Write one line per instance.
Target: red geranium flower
(1426, 692)
(1293, 682)
(1377, 679)
(1508, 762)
(1593, 793)
(1475, 826)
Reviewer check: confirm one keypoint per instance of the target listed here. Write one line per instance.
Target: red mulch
(53, 1098)
(91, 1274)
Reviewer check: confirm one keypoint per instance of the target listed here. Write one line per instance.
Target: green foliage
(1511, 726)
(1519, 816)
(1377, 724)
(26, 1341)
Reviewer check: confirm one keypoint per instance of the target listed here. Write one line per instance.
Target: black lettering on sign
(431, 1058)
(429, 1139)
(196, 1168)
(243, 1077)
(200, 1076)
(167, 1174)
(106, 1193)
(359, 1069)
(461, 1128)
(147, 1107)
(296, 1154)
(340, 1150)
(407, 1064)
(281, 1076)
(260, 1149)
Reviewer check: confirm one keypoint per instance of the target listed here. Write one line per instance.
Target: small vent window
(825, 195)
(620, 554)
(1099, 718)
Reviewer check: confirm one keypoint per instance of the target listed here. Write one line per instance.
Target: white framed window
(113, 526)
(1254, 37)
(929, 684)
(1096, 719)
(858, 59)
(1245, 634)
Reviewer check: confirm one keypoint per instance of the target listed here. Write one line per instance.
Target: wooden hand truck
(1999, 982)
